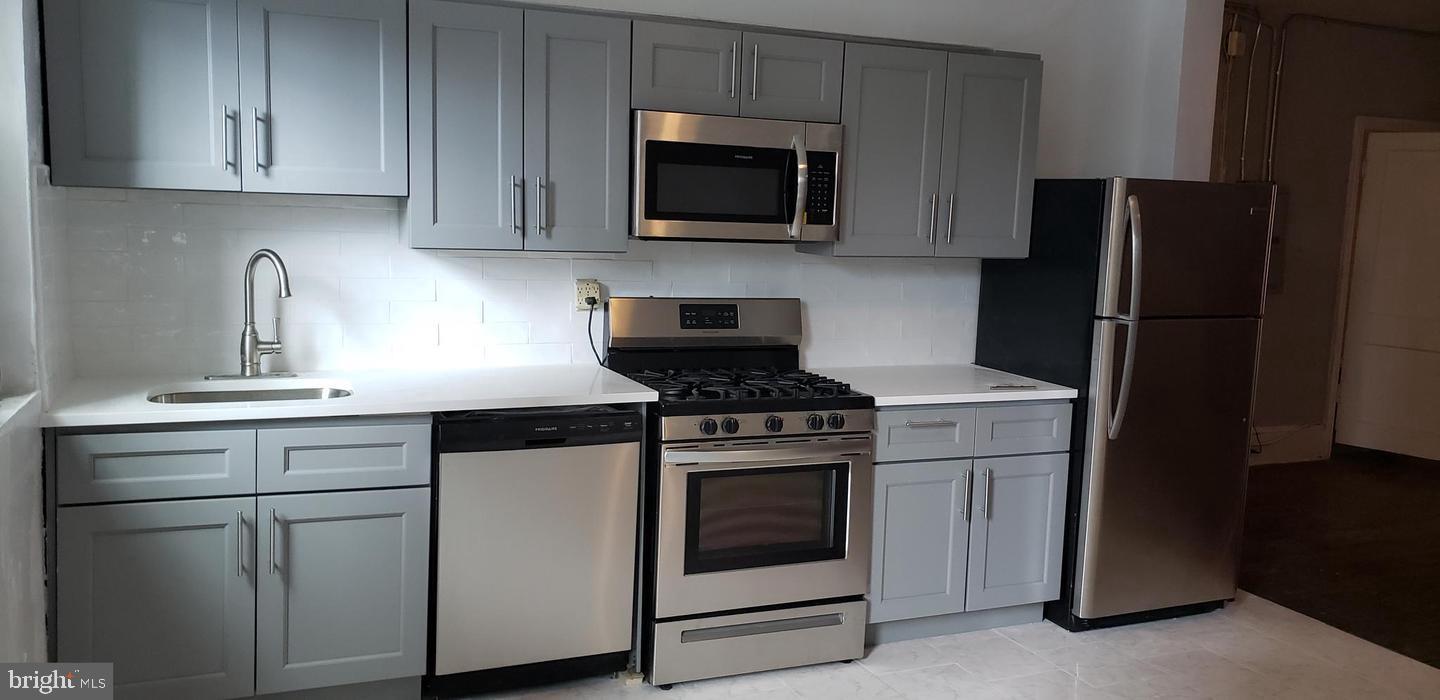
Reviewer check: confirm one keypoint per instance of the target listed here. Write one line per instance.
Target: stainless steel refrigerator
(1147, 297)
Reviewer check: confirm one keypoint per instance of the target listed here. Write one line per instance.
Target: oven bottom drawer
(728, 645)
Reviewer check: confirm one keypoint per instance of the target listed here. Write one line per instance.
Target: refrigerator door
(1202, 249)
(1164, 484)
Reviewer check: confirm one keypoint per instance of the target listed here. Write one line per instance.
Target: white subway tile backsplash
(162, 271)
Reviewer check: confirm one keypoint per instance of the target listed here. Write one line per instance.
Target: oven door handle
(768, 454)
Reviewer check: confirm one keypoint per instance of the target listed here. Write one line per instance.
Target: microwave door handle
(802, 186)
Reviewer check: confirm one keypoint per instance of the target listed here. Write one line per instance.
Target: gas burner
(740, 384)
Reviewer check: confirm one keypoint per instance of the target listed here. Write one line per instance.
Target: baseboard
(954, 623)
(1284, 444)
(392, 689)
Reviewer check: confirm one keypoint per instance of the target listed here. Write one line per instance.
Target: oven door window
(768, 516)
(708, 182)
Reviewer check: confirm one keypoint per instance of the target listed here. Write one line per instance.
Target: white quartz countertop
(123, 401)
(917, 385)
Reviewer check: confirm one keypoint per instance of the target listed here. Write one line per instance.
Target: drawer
(924, 433)
(727, 645)
(1024, 429)
(142, 466)
(343, 457)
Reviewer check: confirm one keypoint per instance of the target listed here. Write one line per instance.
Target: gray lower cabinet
(992, 115)
(893, 111)
(143, 93)
(338, 457)
(466, 172)
(1016, 532)
(322, 93)
(685, 68)
(342, 594)
(155, 465)
(921, 539)
(162, 590)
(577, 131)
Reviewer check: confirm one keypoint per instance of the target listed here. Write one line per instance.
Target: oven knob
(837, 421)
(815, 421)
(730, 425)
(709, 426)
(774, 424)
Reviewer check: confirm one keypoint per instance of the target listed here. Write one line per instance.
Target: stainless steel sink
(251, 390)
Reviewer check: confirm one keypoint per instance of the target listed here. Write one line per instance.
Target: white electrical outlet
(586, 288)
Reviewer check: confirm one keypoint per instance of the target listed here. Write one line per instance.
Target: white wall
(1112, 102)
(17, 283)
(22, 581)
(154, 287)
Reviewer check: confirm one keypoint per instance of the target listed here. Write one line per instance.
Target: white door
(1390, 371)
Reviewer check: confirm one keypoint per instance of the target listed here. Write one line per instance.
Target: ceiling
(1412, 14)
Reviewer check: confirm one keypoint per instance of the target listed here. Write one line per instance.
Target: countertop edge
(987, 397)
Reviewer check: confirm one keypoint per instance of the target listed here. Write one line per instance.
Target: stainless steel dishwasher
(535, 531)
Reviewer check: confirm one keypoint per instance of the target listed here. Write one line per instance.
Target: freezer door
(1164, 489)
(1202, 249)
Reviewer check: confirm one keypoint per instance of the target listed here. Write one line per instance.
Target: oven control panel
(708, 317)
(777, 424)
(820, 202)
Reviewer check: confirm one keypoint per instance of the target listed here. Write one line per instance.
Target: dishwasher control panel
(478, 431)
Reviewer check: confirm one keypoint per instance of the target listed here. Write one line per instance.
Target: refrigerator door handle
(1132, 330)
(1132, 210)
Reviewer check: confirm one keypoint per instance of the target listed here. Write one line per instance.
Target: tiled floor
(1251, 649)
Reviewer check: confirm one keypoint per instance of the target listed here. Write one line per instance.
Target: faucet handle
(276, 347)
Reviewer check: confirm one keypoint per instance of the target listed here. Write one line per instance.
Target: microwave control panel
(820, 205)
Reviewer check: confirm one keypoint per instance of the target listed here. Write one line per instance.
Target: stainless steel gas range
(758, 490)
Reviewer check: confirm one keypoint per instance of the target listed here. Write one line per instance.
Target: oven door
(744, 525)
(728, 178)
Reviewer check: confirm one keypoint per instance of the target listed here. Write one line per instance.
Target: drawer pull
(750, 629)
(930, 424)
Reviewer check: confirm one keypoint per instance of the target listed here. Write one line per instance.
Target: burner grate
(733, 384)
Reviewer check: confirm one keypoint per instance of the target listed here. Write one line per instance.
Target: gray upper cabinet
(577, 131)
(164, 591)
(683, 68)
(342, 593)
(465, 148)
(893, 112)
(992, 114)
(921, 539)
(322, 94)
(143, 93)
(791, 77)
(1016, 530)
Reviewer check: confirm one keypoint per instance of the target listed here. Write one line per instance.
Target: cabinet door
(322, 87)
(894, 105)
(791, 77)
(577, 131)
(917, 567)
(1017, 530)
(342, 588)
(143, 93)
(163, 590)
(992, 115)
(465, 175)
(680, 68)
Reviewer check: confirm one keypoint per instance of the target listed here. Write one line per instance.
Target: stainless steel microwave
(714, 178)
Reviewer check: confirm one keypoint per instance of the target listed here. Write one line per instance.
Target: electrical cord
(590, 329)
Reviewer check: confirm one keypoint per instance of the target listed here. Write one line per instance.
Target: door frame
(1364, 127)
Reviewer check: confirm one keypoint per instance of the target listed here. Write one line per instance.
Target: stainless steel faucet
(251, 346)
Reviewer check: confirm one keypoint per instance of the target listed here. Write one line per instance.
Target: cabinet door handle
(240, 544)
(950, 220)
(225, 139)
(934, 209)
(989, 488)
(515, 208)
(273, 530)
(755, 72)
(965, 496)
(255, 136)
(734, 66)
(539, 206)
